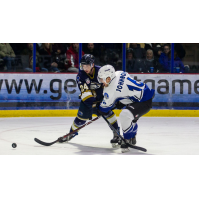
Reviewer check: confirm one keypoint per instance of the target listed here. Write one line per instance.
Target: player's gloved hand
(98, 110)
(119, 105)
(98, 104)
(101, 113)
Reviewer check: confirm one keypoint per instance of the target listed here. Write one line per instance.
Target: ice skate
(116, 141)
(68, 138)
(124, 146)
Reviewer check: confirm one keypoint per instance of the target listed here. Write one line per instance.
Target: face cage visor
(101, 79)
(81, 65)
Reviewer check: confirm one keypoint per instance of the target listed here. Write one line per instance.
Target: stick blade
(44, 143)
(136, 147)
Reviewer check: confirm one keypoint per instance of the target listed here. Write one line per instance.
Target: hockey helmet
(87, 59)
(105, 72)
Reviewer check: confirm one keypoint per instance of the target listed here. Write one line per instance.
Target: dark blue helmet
(87, 59)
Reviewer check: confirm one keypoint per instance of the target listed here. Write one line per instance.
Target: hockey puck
(14, 145)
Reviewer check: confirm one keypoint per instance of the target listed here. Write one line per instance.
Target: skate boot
(116, 141)
(124, 146)
(68, 138)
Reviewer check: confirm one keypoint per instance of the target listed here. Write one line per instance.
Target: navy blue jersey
(91, 89)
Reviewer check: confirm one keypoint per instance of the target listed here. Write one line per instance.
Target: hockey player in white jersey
(121, 90)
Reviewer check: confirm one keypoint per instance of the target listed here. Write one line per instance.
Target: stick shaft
(51, 143)
(116, 131)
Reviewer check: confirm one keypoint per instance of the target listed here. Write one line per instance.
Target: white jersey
(124, 89)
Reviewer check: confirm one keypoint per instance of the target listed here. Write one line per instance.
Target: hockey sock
(77, 123)
(128, 126)
(111, 117)
(130, 132)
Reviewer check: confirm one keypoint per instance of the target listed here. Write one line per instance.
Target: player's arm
(107, 104)
(86, 94)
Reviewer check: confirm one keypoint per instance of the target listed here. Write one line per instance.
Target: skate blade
(115, 146)
(125, 150)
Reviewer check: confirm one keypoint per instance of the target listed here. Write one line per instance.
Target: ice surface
(160, 136)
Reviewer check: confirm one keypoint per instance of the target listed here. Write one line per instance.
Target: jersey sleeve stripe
(113, 122)
(103, 109)
(87, 97)
(111, 116)
(82, 118)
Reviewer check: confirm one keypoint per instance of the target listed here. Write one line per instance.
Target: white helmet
(105, 72)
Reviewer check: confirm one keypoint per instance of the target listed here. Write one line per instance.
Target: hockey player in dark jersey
(91, 94)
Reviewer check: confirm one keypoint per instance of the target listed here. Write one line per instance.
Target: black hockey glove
(97, 109)
(101, 113)
(119, 105)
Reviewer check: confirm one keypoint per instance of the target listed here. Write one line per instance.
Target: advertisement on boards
(60, 91)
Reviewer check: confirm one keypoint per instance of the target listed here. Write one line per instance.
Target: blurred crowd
(156, 58)
(63, 57)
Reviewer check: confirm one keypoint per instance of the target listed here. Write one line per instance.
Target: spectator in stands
(58, 49)
(17, 48)
(91, 50)
(130, 61)
(148, 65)
(158, 51)
(177, 47)
(111, 53)
(112, 58)
(66, 46)
(167, 49)
(72, 62)
(156, 47)
(138, 51)
(47, 60)
(58, 53)
(27, 60)
(8, 55)
(178, 64)
(165, 60)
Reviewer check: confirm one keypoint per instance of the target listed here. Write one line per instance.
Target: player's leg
(84, 114)
(129, 117)
(111, 117)
(129, 127)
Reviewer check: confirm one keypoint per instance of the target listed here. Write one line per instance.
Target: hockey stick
(116, 131)
(49, 144)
